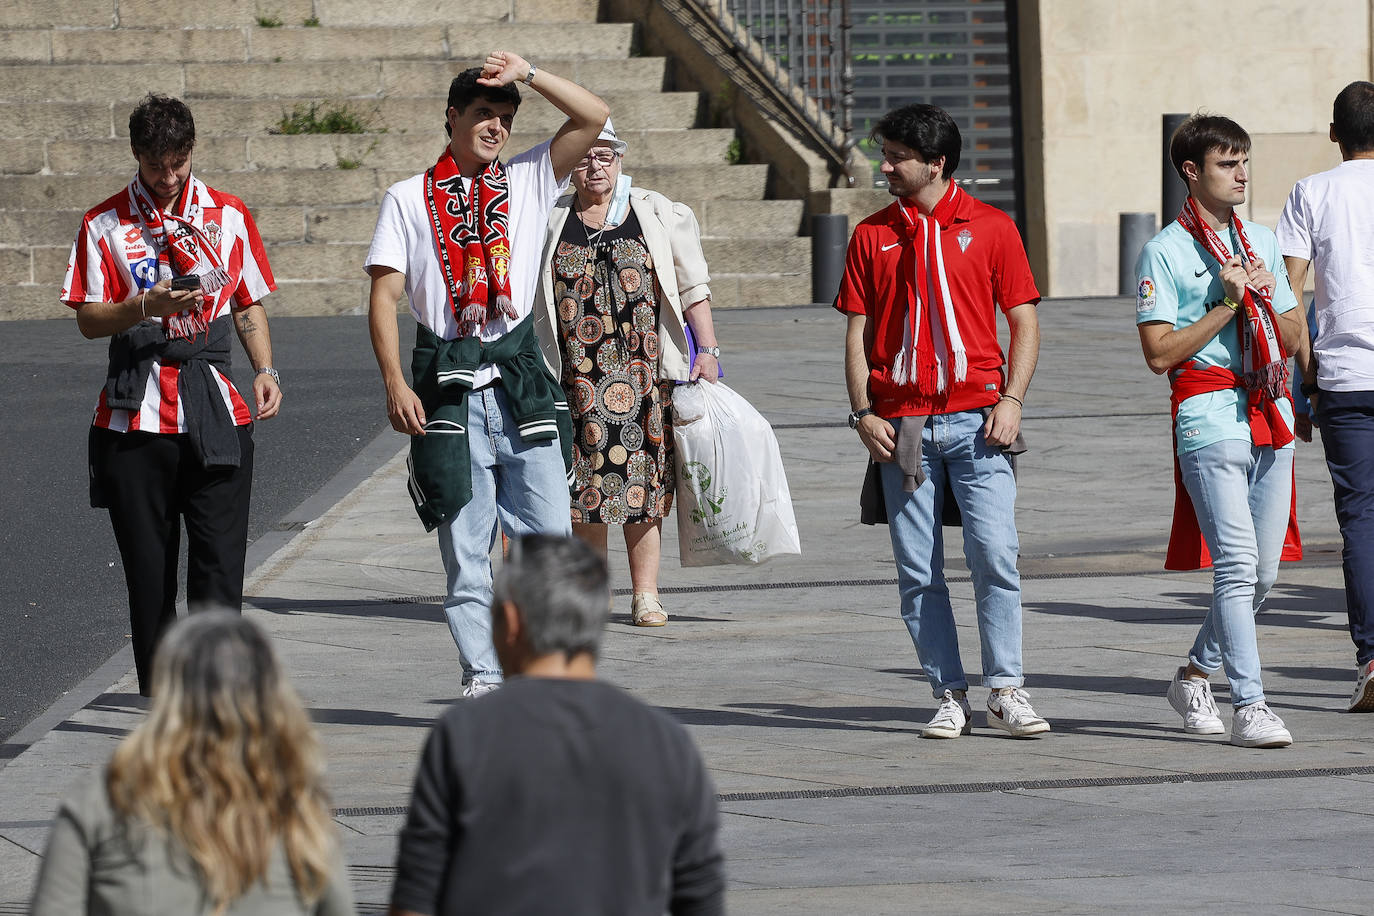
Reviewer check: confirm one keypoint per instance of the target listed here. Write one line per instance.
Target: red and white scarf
(473, 241)
(927, 367)
(183, 249)
(1264, 364)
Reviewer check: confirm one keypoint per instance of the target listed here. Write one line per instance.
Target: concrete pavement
(800, 685)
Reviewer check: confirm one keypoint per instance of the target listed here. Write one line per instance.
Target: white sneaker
(1256, 725)
(1012, 713)
(951, 720)
(478, 687)
(1362, 700)
(1192, 699)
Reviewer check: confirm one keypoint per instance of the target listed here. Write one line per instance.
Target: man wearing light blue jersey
(1211, 314)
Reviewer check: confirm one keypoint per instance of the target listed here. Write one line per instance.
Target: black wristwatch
(1308, 390)
(858, 415)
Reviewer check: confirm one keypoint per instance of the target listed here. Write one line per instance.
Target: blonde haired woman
(213, 805)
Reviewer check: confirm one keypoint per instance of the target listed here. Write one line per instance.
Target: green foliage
(734, 153)
(318, 118)
(312, 23)
(348, 163)
(272, 21)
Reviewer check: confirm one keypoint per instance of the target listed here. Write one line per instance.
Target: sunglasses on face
(603, 160)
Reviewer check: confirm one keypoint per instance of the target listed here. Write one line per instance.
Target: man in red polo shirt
(938, 406)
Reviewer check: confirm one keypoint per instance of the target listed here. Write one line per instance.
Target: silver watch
(268, 370)
(710, 351)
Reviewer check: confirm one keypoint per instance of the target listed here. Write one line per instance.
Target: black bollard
(1135, 230)
(829, 238)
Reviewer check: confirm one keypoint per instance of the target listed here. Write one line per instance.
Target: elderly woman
(624, 278)
(213, 805)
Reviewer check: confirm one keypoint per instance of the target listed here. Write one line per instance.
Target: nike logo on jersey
(1200, 272)
(890, 247)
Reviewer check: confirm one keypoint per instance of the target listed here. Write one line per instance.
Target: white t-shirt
(404, 241)
(1329, 220)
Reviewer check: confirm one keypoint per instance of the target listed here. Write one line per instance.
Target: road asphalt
(801, 688)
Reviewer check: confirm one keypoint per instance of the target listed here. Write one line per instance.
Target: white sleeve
(389, 238)
(1295, 222)
(532, 173)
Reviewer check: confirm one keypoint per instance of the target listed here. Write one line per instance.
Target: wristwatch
(1308, 389)
(529, 77)
(268, 370)
(710, 351)
(858, 415)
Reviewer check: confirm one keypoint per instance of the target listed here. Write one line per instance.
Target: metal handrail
(792, 58)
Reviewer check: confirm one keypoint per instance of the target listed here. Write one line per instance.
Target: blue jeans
(1346, 420)
(521, 485)
(1241, 494)
(980, 476)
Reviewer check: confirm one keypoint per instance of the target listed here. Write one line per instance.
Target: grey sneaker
(951, 720)
(1256, 725)
(1011, 712)
(1362, 700)
(478, 687)
(1192, 699)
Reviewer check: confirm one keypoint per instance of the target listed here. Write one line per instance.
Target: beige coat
(673, 237)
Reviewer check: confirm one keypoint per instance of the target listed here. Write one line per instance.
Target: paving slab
(800, 686)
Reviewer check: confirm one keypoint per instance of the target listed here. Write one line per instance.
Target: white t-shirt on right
(404, 241)
(1329, 220)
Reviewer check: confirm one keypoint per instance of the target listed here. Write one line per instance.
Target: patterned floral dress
(607, 303)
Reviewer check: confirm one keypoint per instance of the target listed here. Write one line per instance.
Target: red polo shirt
(986, 267)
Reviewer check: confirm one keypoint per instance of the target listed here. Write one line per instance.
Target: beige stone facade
(1098, 75)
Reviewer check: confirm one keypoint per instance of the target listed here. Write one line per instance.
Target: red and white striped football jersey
(114, 257)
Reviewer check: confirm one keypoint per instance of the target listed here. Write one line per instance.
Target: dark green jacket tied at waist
(443, 370)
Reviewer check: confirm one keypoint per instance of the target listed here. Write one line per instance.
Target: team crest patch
(965, 239)
(1145, 296)
(213, 233)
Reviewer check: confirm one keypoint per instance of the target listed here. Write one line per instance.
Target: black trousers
(150, 483)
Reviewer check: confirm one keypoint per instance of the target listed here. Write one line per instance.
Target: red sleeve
(1013, 283)
(255, 279)
(856, 287)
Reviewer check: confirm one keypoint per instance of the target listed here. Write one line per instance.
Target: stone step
(108, 14)
(644, 109)
(535, 41)
(368, 78)
(727, 190)
(22, 229)
(415, 151)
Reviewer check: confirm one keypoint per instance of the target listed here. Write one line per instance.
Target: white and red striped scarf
(473, 239)
(183, 249)
(927, 368)
(1264, 364)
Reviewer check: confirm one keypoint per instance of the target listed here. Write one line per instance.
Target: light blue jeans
(521, 485)
(980, 476)
(1241, 494)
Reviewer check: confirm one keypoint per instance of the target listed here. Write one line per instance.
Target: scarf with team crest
(473, 239)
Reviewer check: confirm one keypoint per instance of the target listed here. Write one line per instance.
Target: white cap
(608, 135)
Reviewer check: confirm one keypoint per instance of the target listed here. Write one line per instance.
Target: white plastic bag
(733, 501)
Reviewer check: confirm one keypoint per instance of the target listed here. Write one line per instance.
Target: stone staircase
(73, 70)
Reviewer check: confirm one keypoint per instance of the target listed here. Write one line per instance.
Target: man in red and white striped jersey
(165, 268)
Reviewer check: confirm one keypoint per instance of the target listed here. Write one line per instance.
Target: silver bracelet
(268, 370)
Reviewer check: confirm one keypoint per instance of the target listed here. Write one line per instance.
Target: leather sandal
(647, 611)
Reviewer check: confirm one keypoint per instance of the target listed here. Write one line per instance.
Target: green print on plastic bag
(698, 476)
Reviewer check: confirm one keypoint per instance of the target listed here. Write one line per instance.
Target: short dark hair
(1352, 117)
(1202, 133)
(928, 129)
(464, 90)
(161, 126)
(561, 589)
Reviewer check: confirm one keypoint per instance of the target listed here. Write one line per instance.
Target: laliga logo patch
(213, 234)
(965, 239)
(1145, 296)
